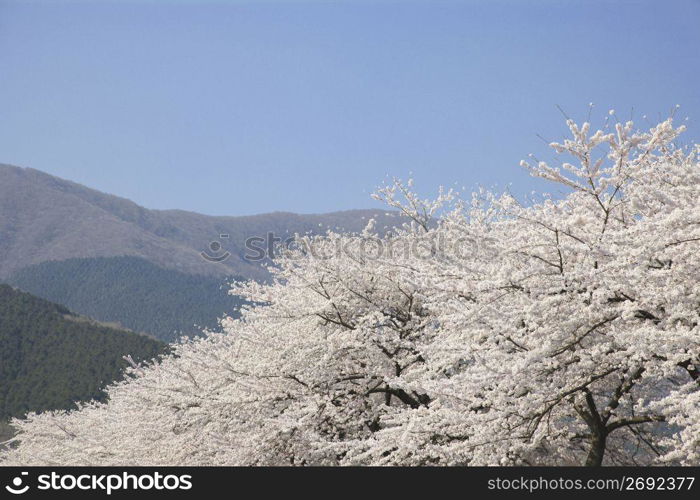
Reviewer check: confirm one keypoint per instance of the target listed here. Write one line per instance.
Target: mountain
(51, 358)
(132, 292)
(44, 218)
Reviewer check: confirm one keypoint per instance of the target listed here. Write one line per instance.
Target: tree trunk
(597, 451)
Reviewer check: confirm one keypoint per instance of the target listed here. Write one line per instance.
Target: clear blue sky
(246, 107)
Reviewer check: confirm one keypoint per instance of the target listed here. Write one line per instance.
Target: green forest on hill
(132, 292)
(52, 358)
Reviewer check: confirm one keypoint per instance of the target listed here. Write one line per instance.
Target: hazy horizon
(238, 108)
(177, 209)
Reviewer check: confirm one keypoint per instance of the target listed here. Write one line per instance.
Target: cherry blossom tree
(480, 332)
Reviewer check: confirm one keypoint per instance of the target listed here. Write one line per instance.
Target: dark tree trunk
(597, 450)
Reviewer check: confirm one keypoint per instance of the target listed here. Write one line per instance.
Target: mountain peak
(46, 218)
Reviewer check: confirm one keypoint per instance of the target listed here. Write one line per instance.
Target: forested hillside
(51, 358)
(132, 292)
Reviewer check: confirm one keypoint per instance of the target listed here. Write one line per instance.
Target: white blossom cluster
(563, 332)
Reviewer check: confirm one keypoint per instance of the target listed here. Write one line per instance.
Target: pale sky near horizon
(241, 107)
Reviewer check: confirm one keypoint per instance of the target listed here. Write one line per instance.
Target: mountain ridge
(47, 218)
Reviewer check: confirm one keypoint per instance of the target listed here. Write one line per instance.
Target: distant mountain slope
(51, 358)
(44, 218)
(133, 292)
